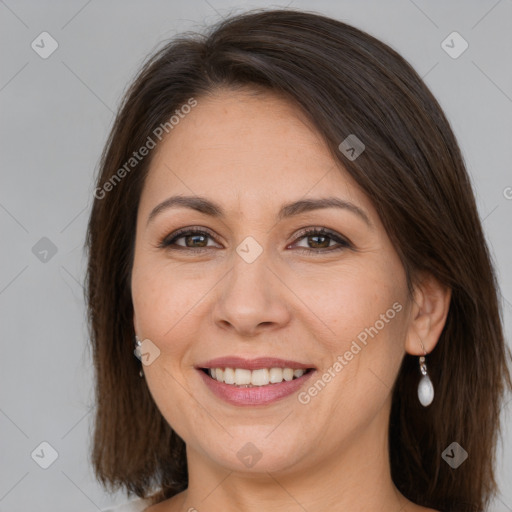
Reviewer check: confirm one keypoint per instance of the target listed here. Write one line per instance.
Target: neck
(354, 477)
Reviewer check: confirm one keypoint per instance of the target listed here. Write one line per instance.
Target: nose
(252, 299)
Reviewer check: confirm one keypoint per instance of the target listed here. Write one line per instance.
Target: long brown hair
(346, 82)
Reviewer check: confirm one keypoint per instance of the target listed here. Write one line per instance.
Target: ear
(429, 311)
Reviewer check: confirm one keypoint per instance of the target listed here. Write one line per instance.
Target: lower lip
(257, 395)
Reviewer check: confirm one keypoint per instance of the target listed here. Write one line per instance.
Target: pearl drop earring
(138, 354)
(425, 387)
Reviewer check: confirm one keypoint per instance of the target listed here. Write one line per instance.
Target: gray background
(55, 116)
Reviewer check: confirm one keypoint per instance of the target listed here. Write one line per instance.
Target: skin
(251, 153)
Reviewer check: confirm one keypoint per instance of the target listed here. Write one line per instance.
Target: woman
(285, 236)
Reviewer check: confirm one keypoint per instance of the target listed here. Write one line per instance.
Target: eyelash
(170, 240)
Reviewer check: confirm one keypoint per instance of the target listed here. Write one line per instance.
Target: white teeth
(287, 374)
(242, 376)
(260, 377)
(276, 375)
(229, 376)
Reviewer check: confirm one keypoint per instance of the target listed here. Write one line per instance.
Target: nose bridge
(250, 275)
(250, 296)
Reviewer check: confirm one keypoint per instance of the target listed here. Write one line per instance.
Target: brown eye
(198, 240)
(194, 239)
(319, 241)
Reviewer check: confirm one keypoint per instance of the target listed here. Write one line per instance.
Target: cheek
(163, 298)
(361, 324)
(164, 313)
(348, 301)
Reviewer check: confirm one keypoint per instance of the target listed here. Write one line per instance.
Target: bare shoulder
(135, 505)
(164, 506)
(171, 505)
(413, 507)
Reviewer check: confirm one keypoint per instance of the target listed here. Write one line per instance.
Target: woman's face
(257, 284)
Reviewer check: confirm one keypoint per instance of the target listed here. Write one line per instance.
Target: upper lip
(253, 364)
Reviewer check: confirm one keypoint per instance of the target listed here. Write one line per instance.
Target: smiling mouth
(244, 378)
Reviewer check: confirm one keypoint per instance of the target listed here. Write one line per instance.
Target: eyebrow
(208, 207)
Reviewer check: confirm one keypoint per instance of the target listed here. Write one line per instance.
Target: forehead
(244, 147)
